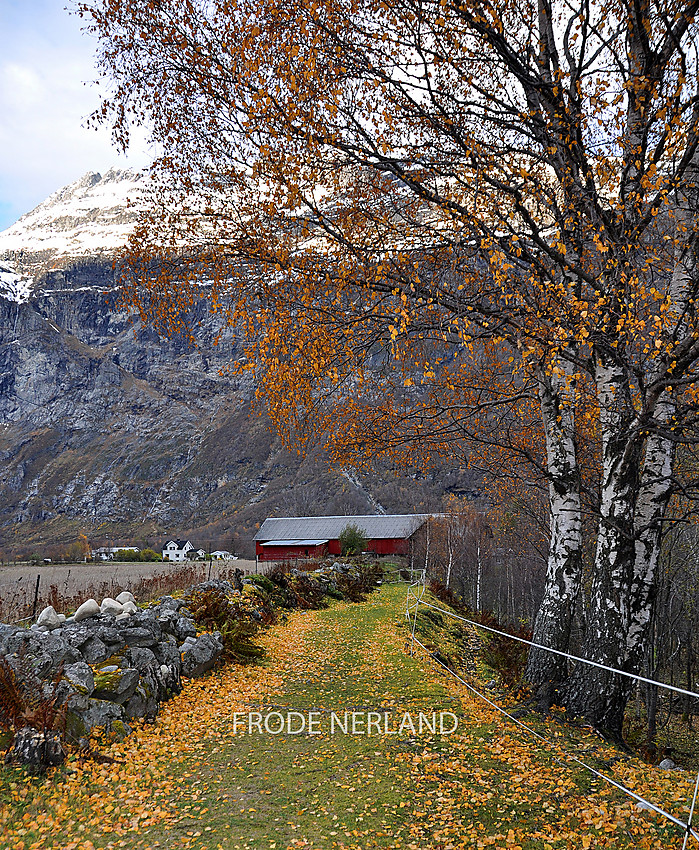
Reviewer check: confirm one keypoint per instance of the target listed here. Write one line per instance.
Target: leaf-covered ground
(189, 781)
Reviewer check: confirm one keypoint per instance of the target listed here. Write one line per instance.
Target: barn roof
(312, 542)
(287, 529)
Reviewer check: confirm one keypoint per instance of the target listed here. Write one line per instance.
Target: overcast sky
(46, 93)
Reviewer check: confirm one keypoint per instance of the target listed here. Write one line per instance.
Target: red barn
(283, 538)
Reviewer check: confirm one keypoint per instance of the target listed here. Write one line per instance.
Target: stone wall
(116, 661)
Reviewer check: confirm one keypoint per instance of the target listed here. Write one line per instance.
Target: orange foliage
(402, 270)
(490, 786)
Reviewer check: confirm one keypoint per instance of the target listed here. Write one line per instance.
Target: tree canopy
(444, 227)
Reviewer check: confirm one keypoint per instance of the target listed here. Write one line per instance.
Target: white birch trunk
(427, 549)
(635, 493)
(596, 694)
(450, 544)
(656, 481)
(651, 508)
(553, 621)
(479, 574)
(658, 466)
(636, 488)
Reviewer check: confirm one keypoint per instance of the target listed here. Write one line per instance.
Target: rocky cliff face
(100, 423)
(108, 430)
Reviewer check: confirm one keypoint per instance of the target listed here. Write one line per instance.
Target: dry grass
(65, 587)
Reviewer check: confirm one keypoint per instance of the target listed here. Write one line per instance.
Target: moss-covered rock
(263, 582)
(80, 677)
(116, 685)
(99, 714)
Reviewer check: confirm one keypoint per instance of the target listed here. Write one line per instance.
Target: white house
(222, 555)
(177, 550)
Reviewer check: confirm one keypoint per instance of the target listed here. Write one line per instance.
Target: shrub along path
(189, 781)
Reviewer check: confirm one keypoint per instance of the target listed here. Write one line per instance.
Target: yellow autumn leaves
(186, 782)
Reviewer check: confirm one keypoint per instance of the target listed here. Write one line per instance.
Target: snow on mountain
(13, 286)
(90, 217)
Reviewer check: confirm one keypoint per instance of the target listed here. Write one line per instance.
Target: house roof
(294, 542)
(179, 543)
(284, 530)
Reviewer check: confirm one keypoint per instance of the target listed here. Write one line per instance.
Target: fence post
(36, 595)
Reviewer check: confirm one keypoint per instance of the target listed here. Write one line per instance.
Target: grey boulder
(37, 749)
(99, 713)
(116, 686)
(126, 596)
(139, 636)
(80, 677)
(141, 658)
(144, 702)
(94, 650)
(182, 627)
(171, 604)
(111, 606)
(48, 618)
(168, 653)
(200, 655)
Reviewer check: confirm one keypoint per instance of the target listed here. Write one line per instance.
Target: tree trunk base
(37, 750)
(545, 696)
(600, 698)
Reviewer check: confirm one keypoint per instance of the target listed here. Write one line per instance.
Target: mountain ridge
(92, 216)
(110, 430)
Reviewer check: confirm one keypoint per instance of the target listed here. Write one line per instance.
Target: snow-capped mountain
(13, 286)
(91, 217)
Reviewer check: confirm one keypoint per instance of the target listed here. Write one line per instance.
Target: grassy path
(190, 781)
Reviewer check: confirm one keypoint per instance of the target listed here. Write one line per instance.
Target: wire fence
(568, 655)
(415, 598)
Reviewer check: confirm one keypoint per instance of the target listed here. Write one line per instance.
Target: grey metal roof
(294, 542)
(286, 529)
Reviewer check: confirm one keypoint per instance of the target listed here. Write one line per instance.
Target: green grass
(266, 790)
(485, 786)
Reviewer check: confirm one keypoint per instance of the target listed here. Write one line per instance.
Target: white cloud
(46, 96)
(21, 86)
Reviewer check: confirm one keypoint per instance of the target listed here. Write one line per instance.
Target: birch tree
(398, 200)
